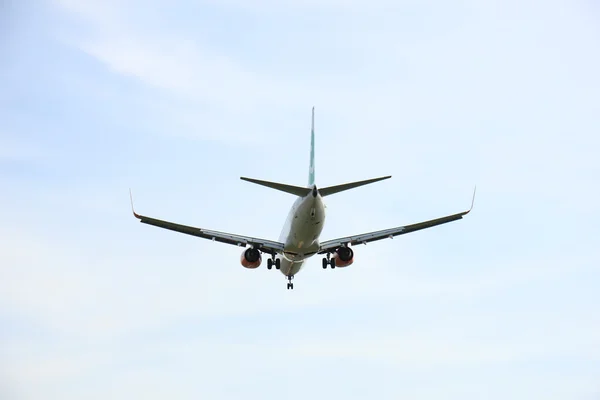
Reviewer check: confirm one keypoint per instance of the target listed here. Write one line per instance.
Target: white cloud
(205, 85)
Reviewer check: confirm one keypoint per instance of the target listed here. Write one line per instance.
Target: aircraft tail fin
(297, 190)
(311, 169)
(346, 186)
(304, 191)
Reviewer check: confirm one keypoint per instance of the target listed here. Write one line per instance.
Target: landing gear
(328, 261)
(273, 261)
(290, 285)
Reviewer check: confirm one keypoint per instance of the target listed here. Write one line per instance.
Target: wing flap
(331, 245)
(266, 246)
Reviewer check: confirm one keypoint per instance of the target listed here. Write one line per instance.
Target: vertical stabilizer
(311, 170)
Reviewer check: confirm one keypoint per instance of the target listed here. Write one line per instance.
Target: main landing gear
(290, 285)
(273, 261)
(328, 261)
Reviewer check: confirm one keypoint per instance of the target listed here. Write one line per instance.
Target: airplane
(300, 237)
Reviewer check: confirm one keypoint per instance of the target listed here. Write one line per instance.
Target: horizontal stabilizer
(346, 186)
(297, 190)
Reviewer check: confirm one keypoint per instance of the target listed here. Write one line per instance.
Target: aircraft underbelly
(290, 267)
(302, 240)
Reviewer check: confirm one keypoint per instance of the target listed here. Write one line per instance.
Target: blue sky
(177, 100)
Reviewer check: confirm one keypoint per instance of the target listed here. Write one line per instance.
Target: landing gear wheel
(325, 263)
(277, 263)
(269, 263)
(332, 262)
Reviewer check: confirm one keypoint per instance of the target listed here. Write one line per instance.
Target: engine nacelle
(251, 258)
(343, 256)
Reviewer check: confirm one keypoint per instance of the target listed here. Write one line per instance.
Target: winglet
(473, 200)
(131, 199)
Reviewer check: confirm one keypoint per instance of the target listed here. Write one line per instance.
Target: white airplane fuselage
(301, 232)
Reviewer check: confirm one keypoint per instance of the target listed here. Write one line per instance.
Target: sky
(176, 100)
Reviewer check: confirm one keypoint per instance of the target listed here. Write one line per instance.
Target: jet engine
(343, 257)
(251, 258)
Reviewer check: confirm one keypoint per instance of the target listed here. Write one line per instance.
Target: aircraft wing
(266, 246)
(331, 245)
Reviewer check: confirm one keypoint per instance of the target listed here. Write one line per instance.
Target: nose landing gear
(290, 285)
